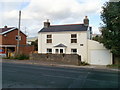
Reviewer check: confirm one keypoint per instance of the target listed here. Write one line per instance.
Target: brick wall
(72, 59)
(26, 49)
(10, 38)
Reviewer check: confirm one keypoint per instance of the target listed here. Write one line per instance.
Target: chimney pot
(5, 26)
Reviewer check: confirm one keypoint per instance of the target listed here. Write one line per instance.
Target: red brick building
(8, 41)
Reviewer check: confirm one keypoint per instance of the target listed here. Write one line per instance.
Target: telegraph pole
(18, 41)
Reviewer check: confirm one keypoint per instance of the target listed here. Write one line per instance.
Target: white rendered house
(73, 39)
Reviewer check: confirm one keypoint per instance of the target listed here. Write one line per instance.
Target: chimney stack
(5, 26)
(46, 24)
(86, 21)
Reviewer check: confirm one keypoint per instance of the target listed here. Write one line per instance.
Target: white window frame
(47, 38)
(73, 38)
(72, 51)
(49, 49)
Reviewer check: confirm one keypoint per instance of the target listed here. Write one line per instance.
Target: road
(36, 76)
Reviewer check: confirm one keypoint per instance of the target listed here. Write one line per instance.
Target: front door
(56, 51)
(61, 51)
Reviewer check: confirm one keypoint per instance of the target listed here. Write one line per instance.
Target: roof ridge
(9, 30)
(66, 24)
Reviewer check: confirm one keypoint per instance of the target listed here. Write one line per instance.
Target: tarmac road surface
(37, 76)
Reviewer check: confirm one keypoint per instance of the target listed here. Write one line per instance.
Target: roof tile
(61, 28)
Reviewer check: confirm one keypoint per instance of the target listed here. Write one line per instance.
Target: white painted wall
(64, 38)
(92, 52)
(98, 54)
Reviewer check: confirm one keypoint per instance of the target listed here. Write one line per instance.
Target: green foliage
(21, 57)
(97, 38)
(114, 66)
(111, 28)
(35, 43)
(84, 63)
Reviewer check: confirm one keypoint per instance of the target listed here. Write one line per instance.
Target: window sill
(73, 43)
(48, 43)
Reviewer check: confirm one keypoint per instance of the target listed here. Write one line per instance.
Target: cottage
(73, 39)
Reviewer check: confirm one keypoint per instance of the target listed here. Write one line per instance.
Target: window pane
(73, 35)
(73, 40)
(49, 50)
(56, 50)
(81, 44)
(61, 50)
(74, 51)
(49, 40)
(49, 36)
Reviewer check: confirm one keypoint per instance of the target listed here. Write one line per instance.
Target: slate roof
(61, 28)
(5, 29)
(60, 45)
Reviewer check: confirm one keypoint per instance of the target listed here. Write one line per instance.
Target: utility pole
(18, 41)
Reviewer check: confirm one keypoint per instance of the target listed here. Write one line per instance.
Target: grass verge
(19, 57)
(114, 66)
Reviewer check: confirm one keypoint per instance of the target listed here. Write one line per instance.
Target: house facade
(9, 39)
(72, 39)
(8, 36)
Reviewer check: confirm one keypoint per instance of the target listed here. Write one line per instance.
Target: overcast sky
(35, 12)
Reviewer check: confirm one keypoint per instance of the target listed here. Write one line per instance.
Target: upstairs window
(49, 36)
(73, 35)
(73, 38)
(49, 39)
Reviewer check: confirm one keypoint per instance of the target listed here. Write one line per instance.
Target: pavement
(55, 64)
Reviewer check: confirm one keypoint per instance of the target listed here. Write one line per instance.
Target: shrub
(114, 66)
(21, 57)
(84, 63)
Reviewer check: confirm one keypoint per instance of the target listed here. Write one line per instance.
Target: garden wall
(72, 59)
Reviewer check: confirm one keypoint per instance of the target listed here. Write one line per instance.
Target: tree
(111, 27)
(35, 43)
(97, 38)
